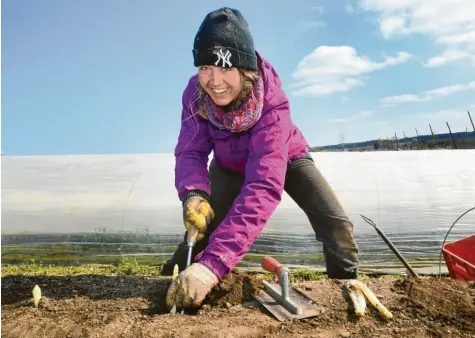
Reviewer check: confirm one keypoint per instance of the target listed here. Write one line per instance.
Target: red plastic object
(272, 265)
(460, 258)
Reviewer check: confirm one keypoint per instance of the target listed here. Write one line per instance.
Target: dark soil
(438, 304)
(98, 306)
(234, 289)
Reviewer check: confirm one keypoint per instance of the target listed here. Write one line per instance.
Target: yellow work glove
(197, 212)
(191, 286)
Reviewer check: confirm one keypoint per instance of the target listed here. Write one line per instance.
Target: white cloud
(449, 56)
(362, 115)
(330, 69)
(391, 24)
(449, 23)
(428, 95)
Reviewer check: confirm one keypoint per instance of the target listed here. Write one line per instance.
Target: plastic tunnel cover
(414, 196)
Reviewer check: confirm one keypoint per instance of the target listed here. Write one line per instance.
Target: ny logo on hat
(223, 57)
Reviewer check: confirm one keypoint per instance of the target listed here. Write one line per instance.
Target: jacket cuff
(215, 264)
(196, 192)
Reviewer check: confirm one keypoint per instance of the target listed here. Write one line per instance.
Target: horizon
(312, 148)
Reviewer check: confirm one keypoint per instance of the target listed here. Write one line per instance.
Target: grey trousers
(310, 190)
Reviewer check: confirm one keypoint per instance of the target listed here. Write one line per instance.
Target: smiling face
(223, 85)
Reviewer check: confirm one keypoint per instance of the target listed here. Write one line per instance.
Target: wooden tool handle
(272, 265)
(192, 234)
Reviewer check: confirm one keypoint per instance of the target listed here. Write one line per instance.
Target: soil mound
(439, 301)
(235, 288)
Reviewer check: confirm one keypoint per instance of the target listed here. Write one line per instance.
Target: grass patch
(66, 258)
(89, 248)
(285, 259)
(99, 254)
(130, 268)
(94, 269)
(301, 275)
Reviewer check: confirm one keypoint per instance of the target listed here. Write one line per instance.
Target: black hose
(391, 246)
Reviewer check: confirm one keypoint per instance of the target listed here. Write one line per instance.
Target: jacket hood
(274, 95)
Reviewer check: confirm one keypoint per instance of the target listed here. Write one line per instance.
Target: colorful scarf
(243, 117)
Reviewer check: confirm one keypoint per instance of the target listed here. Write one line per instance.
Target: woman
(235, 107)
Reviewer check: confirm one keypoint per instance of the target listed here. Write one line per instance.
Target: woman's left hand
(191, 286)
(197, 212)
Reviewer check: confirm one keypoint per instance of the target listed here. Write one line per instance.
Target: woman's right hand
(197, 212)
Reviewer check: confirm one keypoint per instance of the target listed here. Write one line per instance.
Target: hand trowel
(283, 300)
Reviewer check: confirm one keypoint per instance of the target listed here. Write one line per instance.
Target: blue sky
(95, 77)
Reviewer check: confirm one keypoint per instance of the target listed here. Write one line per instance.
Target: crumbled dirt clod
(235, 288)
(98, 306)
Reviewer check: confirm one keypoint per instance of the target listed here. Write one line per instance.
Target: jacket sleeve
(261, 192)
(193, 148)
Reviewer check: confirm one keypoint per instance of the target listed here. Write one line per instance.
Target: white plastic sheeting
(413, 189)
(414, 196)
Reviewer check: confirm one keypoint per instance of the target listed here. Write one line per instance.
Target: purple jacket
(261, 154)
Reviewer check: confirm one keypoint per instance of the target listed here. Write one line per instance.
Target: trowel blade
(309, 307)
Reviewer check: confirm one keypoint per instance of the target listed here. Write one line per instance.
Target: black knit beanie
(224, 40)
